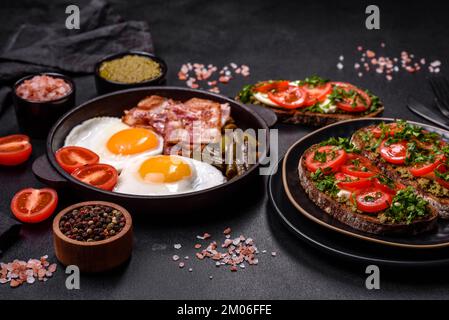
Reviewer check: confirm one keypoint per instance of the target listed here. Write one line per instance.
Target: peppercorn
(92, 223)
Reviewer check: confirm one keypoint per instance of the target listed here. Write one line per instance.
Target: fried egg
(167, 174)
(116, 143)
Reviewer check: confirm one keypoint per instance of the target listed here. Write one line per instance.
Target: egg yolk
(164, 169)
(132, 141)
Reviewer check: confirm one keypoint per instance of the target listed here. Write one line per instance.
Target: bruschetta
(313, 101)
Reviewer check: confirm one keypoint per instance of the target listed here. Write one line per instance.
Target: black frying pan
(48, 171)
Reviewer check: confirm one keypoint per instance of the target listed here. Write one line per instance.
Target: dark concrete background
(277, 39)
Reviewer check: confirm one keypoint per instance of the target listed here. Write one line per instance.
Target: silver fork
(440, 87)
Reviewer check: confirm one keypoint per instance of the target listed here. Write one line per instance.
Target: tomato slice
(351, 183)
(423, 169)
(394, 153)
(71, 158)
(386, 188)
(291, 98)
(327, 158)
(14, 149)
(389, 130)
(102, 176)
(360, 102)
(34, 205)
(359, 166)
(265, 87)
(372, 200)
(442, 182)
(316, 93)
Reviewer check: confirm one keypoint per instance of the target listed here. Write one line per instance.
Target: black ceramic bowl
(36, 118)
(48, 171)
(106, 86)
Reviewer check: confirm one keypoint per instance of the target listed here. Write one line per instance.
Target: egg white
(94, 134)
(203, 176)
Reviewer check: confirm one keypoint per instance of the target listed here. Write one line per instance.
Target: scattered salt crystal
(370, 54)
(340, 65)
(435, 63)
(341, 58)
(273, 253)
(175, 258)
(181, 265)
(190, 269)
(177, 246)
(356, 65)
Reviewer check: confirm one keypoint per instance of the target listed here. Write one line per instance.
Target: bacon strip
(195, 122)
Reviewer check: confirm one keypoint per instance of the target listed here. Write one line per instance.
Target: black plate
(342, 246)
(439, 237)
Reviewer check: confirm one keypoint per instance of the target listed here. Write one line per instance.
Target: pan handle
(45, 173)
(268, 115)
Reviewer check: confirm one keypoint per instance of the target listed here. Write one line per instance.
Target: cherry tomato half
(14, 149)
(372, 200)
(359, 103)
(34, 205)
(71, 158)
(394, 153)
(331, 159)
(102, 176)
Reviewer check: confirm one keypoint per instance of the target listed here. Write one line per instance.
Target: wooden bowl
(94, 256)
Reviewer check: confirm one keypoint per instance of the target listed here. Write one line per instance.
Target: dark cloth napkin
(9, 231)
(52, 47)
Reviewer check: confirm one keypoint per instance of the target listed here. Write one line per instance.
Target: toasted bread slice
(315, 119)
(355, 219)
(440, 203)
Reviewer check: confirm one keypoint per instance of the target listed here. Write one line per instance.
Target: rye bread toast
(347, 214)
(440, 203)
(316, 119)
(311, 116)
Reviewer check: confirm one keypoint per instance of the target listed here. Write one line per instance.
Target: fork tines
(440, 87)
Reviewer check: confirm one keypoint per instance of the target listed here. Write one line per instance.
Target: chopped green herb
(313, 81)
(246, 93)
(325, 182)
(344, 143)
(407, 206)
(320, 156)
